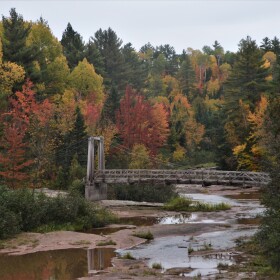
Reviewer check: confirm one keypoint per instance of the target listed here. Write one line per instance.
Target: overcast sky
(181, 24)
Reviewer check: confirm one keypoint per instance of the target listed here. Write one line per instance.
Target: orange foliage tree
(140, 123)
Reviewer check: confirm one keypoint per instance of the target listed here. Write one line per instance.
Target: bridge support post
(95, 191)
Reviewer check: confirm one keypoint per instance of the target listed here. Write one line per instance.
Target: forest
(155, 108)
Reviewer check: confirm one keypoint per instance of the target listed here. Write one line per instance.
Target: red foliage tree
(140, 123)
(12, 157)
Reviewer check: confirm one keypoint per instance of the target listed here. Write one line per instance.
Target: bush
(179, 204)
(187, 204)
(24, 210)
(143, 192)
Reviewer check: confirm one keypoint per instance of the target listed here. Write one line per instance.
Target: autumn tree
(84, 80)
(243, 91)
(14, 147)
(10, 75)
(140, 123)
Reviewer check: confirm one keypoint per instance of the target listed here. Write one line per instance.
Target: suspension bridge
(97, 179)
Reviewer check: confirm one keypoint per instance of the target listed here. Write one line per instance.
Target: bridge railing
(181, 176)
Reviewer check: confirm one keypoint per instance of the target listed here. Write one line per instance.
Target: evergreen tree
(268, 235)
(109, 46)
(266, 45)
(135, 72)
(186, 77)
(94, 57)
(74, 143)
(73, 46)
(15, 33)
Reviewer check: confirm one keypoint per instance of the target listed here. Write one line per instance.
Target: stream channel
(209, 249)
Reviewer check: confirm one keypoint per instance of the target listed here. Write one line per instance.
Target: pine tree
(94, 57)
(109, 46)
(15, 33)
(74, 143)
(73, 46)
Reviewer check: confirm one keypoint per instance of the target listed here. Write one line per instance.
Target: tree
(140, 157)
(15, 35)
(140, 123)
(86, 83)
(93, 56)
(243, 91)
(109, 46)
(13, 160)
(73, 46)
(14, 146)
(135, 72)
(74, 143)
(186, 78)
(56, 76)
(268, 235)
(10, 75)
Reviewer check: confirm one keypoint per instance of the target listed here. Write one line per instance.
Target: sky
(181, 24)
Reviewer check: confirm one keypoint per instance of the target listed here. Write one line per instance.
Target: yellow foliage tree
(140, 157)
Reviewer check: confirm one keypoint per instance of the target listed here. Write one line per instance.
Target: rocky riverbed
(185, 245)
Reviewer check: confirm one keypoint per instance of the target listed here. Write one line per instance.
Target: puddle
(59, 264)
(245, 195)
(139, 221)
(105, 230)
(166, 220)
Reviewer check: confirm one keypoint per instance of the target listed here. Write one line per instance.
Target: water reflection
(99, 259)
(58, 264)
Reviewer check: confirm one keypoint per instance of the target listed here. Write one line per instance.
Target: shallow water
(58, 264)
(172, 251)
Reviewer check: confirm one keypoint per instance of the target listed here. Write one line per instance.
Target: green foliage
(73, 46)
(157, 266)
(179, 204)
(128, 256)
(187, 204)
(106, 243)
(143, 192)
(144, 234)
(24, 210)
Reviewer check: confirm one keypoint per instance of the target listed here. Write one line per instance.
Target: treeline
(155, 108)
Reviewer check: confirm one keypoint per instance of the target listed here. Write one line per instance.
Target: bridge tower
(95, 191)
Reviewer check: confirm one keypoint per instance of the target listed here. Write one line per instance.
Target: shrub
(187, 204)
(142, 192)
(179, 204)
(144, 234)
(24, 210)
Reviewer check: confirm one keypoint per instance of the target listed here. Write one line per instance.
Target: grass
(157, 266)
(128, 256)
(190, 249)
(144, 234)
(105, 243)
(81, 242)
(222, 266)
(186, 204)
(206, 247)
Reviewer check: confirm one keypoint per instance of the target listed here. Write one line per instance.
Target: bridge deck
(190, 176)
